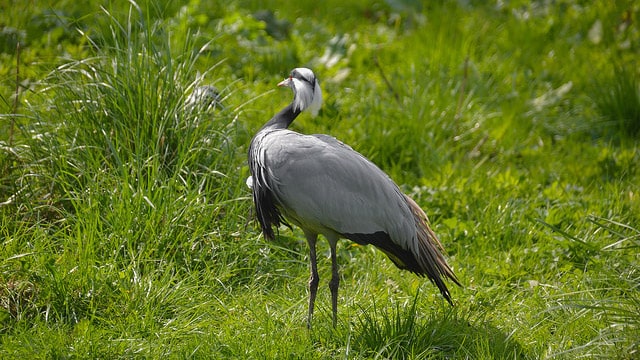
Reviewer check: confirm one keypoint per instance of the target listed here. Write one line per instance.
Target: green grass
(127, 230)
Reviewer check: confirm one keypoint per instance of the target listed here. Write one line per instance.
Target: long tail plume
(431, 251)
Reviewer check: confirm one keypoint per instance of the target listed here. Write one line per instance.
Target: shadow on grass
(403, 332)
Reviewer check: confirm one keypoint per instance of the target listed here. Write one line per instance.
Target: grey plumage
(325, 187)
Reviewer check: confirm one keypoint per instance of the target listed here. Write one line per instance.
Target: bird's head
(306, 90)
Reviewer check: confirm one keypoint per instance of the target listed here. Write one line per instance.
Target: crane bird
(325, 187)
(206, 97)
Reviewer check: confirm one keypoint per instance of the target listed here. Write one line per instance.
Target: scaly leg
(315, 279)
(335, 279)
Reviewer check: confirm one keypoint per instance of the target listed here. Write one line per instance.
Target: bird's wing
(324, 184)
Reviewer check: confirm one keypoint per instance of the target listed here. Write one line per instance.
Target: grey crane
(325, 187)
(206, 97)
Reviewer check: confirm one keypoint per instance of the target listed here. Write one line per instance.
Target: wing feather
(323, 183)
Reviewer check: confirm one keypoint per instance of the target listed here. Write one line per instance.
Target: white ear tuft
(307, 96)
(316, 101)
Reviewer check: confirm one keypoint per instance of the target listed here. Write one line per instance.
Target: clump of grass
(401, 331)
(617, 98)
(122, 115)
(132, 182)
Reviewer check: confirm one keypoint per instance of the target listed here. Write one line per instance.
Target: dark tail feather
(430, 256)
(429, 260)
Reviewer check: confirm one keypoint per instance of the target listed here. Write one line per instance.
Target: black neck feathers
(282, 119)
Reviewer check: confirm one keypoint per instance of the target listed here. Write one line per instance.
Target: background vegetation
(126, 228)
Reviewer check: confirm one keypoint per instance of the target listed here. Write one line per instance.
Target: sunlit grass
(126, 225)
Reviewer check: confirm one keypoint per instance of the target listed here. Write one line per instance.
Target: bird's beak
(285, 82)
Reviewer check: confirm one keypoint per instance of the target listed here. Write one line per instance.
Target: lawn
(127, 230)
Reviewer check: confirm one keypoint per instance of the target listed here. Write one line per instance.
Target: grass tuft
(400, 331)
(617, 99)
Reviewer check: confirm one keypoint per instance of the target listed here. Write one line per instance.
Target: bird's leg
(335, 280)
(315, 279)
